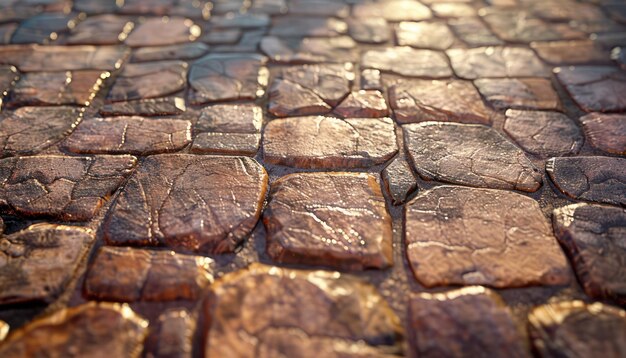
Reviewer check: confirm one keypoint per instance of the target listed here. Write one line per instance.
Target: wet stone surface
(406, 61)
(595, 89)
(154, 79)
(145, 107)
(163, 31)
(56, 88)
(606, 132)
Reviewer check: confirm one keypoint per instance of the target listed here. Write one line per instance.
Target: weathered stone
(546, 134)
(473, 155)
(149, 80)
(406, 61)
(496, 62)
(42, 28)
(92, 329)
(601, 179)
(227, 143)
(577, 52)
(145, 107)
(319, 8)
(393, 10)
(37, 263)
(474, 32)
(8, 78)
(453, 9)
(169, 202)
(432, 35)
(371, 80)
(451, 100)
(295, 313)
(327, 142)
(248, 43)
(335, 220)
(297, 26)
(576, 329)
(595, 89)
(6, 32)
(606, 132)
(240, 21)
(513, 25)
(188, 51)
(566, 11)
(291, 99)
(363, 104)
(522, 93)
(163, 31)
(68, 188)
(129, 135)
(147, 275)
(57, 88)
(221, 36)
(172, 335)
(458, 236)
(222, 77)
(369, 30)
(100, 30)
(440, 324)
(63, 58)
(338, 49)
(399, 180)
(591, 236)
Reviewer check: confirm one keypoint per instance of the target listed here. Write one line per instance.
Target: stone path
(313, 178)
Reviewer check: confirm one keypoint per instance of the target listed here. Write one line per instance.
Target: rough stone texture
(128, 274)
(363, 104)
(545, 134)
(154, 79)
(406, 61)
(432, 35)
(172, 335)
(307, 26)
(496, 62)
(473, 155)
(8, 77)
(446, 101)
(519, 26)
(440, 323)
(67, 188)
(169, 202)
(576, 329)
(606, 132)
(600, 179)
(327, 142)
(100, 30)
(118, 331)
(571, 52)
(393, 10)
(595, 89)
(399, 180)
(129, 135)
(369, 30)
(295, 313)
(371, 80)
(338, 49)
(42, 28)
(186, 51)
(145, 107)
(530, 93)
(591, 235)
(336, 220)
(61, 58)
(474, 32)
(163, 31)
(453, 10)
(460, 236)
(37, 263)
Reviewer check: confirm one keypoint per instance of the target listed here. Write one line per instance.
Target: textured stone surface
(168, 202)
(393, 10)
(310, 49)
(186, 51)
(399, 180)
(337, 220)
(595, 89)
(432, 35)
(60, 58)
(600, 179)
(307, 26)
(606, 132)
(369, 30)
(327, 142)
(172, 335)
(57, 88)
(145, 107)
(530, 93)
(517, 26)
(571, 52)
(474, 32)
(473, 155)
(460, 236)
(155, 79)
(163, 31)
(42, 28)
(363, 104)
(100, 30)
(496, 62)
(406, 61)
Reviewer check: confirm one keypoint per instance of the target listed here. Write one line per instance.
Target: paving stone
(248, 43)
(449, 100)
(595, 89)
(520, 93)
(520, 26)
(591, 236)
(240, 21)
(406, 61)
(453, 10)
(546, 134)
(440, 323)
(172, 335)
(399, 180)
(168, 203)
(30, 130)
(578, 52)
(68, 188)
(576, 329)
(369, 30)
(94, 6)
(394, 10)
(297, 313)
(227, 143)
(222, 77)
(327, 142)
(606, 132)
(338, 49)
(147, 275)
(163, 31)
(118, 331)
(473, 155)
(363, 104)
(474, 32)
(336, 220)
(371, 80)
(220, 36)
(188, 51)
(100, 30)
(496, 62)
(129, 135)
(145, 107)
(6, 32)
(566, 11)
(319, 8)
(38, 262)
(600, 179)
(42, 28)
(307, 26)
(431, 35)
(460, 236)
(149, 80)
(59, 58)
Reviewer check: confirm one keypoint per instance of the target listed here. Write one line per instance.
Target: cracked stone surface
(399, 180)
(29, 58)
(363, 104)
(163, 31)
(145, 107)
(188, 51)
(571, 52)
(606, 132)
(394, 10)
(154, 79)
(431, 35)
(100, 30)
(406, 61)
(523, 93)
(473, 32)
(310, 49)
(595, 89)
(496, 62)
(337, 220)
(467, 154)
(520, 26)
(467, 236)
(167, 203)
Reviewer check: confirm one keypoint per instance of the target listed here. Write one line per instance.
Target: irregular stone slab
(57, 88)
(118, 331)
(286, 312)
(63, 58)
(37, 263)
(145, 107)
(223, 77)
(399, 180)
(338, 49)
(227, 143)
(171, 335)
(371, 80)
(149, 80)
(450, 100)
(292, 99)
(591, 236)
(67, 188)
(394, 10)
(220, 36)
(129, 135)
(42, 28)
(287, 26)
(595, 89)
(460, 236)
(369, 30)
(148, 275)
(146, 7)
(336, 220)
(578, 52)
(545, 134)
(496, 62)
(100, 30)
(163, 31)
(363, 104)
(240, 21)
(520, 26)
(473, 155)
(452, 10)
(406, 61)
(606, 132)
(576, 329)
(169, 202)
(319, 8)
(6, 32)
(473, 32)
(188, 51)
(248, 43)
(531, 93)
(327, 142)
(440, 322)
(601, 179)
(432, 35)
